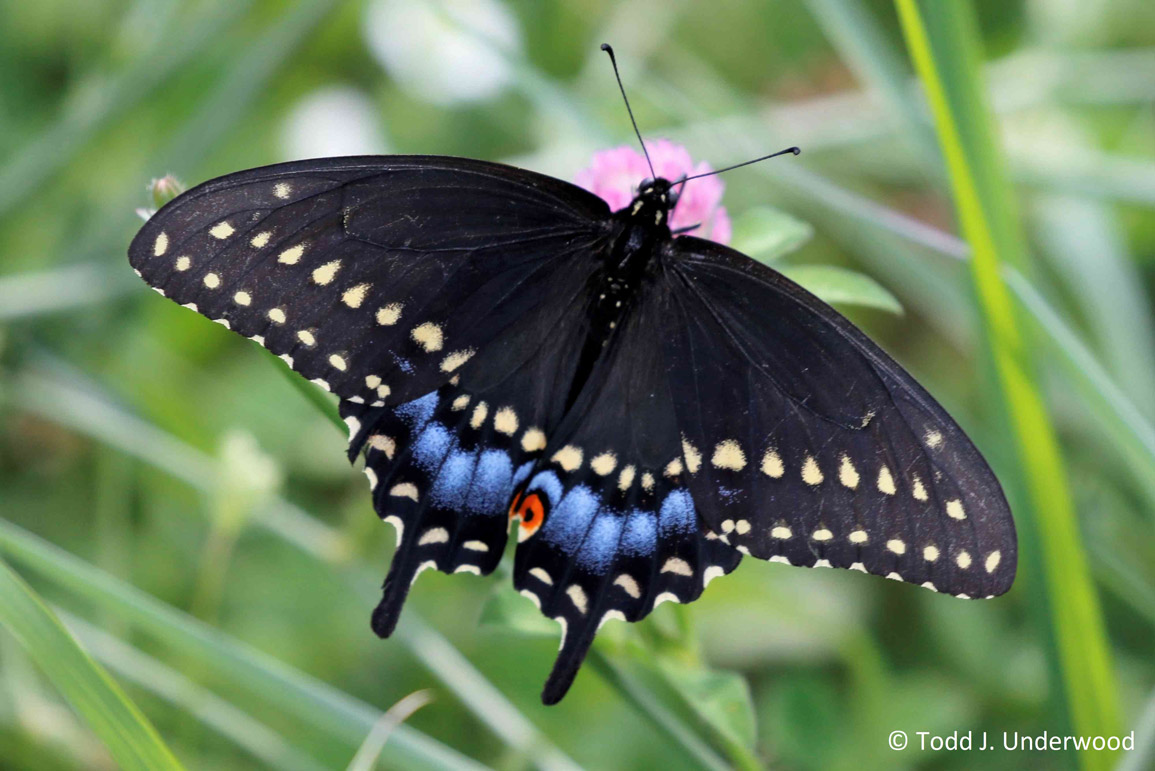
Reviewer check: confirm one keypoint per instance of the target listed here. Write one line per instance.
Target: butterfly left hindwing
(443, 468)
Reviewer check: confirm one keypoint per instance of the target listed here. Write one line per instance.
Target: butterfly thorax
(639, 229)
(646, 220)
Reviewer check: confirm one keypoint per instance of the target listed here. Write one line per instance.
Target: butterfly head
(653, 202)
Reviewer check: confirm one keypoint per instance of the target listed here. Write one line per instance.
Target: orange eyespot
(530, 510)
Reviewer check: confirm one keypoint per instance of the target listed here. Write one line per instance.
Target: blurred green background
(189, 515)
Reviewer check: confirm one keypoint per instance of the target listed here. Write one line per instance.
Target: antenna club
(607, 48)
(796, 150)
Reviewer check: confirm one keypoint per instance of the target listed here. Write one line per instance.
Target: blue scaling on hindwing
(548, 483)
(451, 485)
(567, 524)
(443, 478)
(432, 447)
(523, 472)
(492, 483)
(418, 412)
(677, 515)
(600, 546)
(610, 550)
(641, 533)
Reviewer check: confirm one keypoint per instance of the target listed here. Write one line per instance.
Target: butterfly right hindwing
(608, 526)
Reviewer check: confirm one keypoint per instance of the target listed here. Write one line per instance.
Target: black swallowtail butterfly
(647, 408)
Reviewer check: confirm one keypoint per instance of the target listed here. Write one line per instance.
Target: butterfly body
(637, 234)
(644, 409)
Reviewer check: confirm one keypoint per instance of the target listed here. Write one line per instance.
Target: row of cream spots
(505, 421)
(728, 455)
(339, 361)
(964, 561)
(428, 335)
(897, 546)
(629, 584)
(570, 458)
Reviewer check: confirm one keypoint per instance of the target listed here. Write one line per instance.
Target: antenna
(609, 50)
(794, 150)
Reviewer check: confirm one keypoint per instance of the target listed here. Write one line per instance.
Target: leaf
(644, 685)
(702, 709)
(722, 699)
(768, 234)
(126, 732)
(511, 612)
(841, 286)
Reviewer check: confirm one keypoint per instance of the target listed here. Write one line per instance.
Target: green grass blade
(1131, 434)
(294, 692)
(183, 39)
(82, 409)
(945, 54)
(192, 699)
(370, 750)
(125, 731)
(863, 45)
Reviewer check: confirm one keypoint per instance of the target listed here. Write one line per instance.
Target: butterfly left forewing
(805, 443)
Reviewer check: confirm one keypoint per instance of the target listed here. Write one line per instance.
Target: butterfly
(643, 408)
